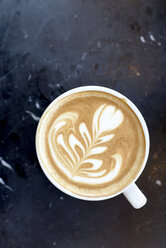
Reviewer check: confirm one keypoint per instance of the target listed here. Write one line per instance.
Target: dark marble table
(47, 48)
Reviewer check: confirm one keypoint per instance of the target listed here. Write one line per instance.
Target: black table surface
(47, 48)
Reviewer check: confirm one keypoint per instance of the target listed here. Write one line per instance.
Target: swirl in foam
(84, 143)
(73, 163)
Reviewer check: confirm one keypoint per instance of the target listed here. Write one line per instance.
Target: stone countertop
(47, 48)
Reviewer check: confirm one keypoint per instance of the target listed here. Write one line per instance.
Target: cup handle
(134, 195)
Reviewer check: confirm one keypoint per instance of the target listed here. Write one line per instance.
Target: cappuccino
(91, 143)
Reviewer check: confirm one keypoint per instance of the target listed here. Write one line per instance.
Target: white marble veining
(5, 164)
(36, 118)
(5, 185)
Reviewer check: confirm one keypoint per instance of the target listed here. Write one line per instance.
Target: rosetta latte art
(80, 157)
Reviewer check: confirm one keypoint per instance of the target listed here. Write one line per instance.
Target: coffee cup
(93, 143)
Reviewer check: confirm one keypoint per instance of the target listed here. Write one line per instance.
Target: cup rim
(140, 118)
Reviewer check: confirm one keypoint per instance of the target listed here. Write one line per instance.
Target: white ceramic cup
(131, 192)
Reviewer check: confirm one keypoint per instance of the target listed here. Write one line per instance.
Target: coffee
(91, 143)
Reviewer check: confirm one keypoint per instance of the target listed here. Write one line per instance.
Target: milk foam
(105, 119)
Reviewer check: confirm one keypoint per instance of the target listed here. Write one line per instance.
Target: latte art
(90, 142)
(77, 160)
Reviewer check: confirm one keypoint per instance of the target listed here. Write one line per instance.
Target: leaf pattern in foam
(85, 133)
(97, 150)
(105, 138)
(106, 118)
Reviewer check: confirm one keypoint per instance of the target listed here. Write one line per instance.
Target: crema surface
(91, 143)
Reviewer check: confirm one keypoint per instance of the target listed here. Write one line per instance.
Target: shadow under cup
(141, 121)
